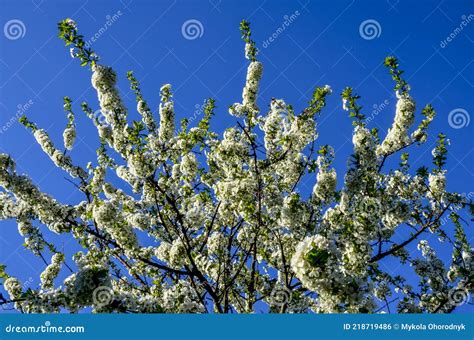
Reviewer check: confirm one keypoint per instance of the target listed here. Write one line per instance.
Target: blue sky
(323, 44)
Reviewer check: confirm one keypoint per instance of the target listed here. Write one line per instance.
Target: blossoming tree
(232, 231)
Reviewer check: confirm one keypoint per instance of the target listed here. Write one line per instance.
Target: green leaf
(3, 274)
(422, 172)
(317, 257)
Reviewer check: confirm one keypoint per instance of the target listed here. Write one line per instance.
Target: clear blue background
(321, 46)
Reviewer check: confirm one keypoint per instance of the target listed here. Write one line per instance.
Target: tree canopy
(229, 226)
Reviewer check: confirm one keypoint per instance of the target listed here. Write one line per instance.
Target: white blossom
(166, 114)
(249, 94)
(397, 136)
(69, 136)
(51, 271)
